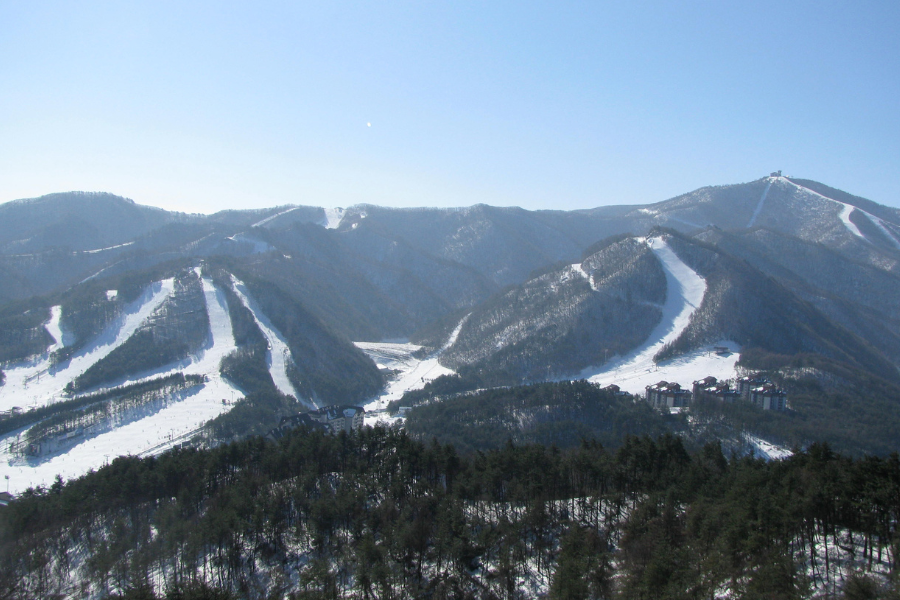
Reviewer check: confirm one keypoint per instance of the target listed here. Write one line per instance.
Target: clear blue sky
(201, 106)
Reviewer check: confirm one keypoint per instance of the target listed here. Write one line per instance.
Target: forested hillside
(377, 514)
(574, 316)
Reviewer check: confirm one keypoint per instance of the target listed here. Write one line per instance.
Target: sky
(204, 106)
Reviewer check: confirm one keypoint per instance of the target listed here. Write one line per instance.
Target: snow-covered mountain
(139, 371)
(99, 294)
(634, 305)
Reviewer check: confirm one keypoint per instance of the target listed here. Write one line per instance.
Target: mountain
(561, 322)
(578, 316)
(138, 363)
(103, 301)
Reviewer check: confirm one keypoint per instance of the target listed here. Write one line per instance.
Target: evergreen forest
(380, 514)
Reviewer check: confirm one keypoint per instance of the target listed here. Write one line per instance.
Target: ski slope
(151, 431)
(35, 383)
(279, 355)
(636, 370)
(333, 217)
(259, 246)
(413, 373)
(99, 250)
(847, 210)
(270, 218)
(54, 328)
(850, 225)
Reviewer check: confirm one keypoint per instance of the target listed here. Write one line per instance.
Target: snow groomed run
(636, 370)
(278, 353)
(413, 373)
(150, 432)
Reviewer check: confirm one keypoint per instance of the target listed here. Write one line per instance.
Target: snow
(184, 414)
(846, 210)
(98, 250)
(33, 384)
(273, 217)
(850, 225)
(762, 201)
(279, 355)
(578, 269)
(54, 328)
(636, 370)
(100, 272)
(454, 334)
(333, 218)
(112, 294)
(880, 225)
(767, 450)
(413, 374)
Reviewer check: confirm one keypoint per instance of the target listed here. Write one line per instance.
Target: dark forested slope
(376, 514)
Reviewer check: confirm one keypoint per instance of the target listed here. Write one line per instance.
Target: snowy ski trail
(414, 372)
(579, 270)
(185, 412)
(846, 210)
(259, 246)
(99, 250)
(35, 384)
(55, 329)
(278, 354)
(879, 223)
(273, 217)
(850, 225)
(333, 217)
(685, 291)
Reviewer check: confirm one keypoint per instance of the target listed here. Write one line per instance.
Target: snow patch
(112, 294)
(333, 218)
(767, 450)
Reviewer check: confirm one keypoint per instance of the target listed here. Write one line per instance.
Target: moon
(368, 124)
